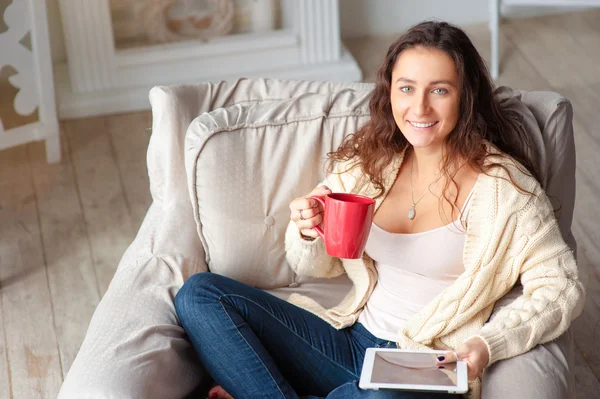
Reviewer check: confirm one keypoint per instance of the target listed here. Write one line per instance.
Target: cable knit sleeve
(552, 294)
(309, 258)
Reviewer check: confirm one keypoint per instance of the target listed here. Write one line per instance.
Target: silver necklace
(412, 213)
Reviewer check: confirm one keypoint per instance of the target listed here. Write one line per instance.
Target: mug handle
(318, 228)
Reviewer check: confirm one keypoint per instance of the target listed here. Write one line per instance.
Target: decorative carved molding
(160, 27)
(307, 46)
(17, 17)
(32, 83)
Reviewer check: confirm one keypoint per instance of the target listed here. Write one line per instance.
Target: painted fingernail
(441, 358)
(441, 367)
(214, 395)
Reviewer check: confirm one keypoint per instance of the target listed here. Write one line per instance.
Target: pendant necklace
(412, 212)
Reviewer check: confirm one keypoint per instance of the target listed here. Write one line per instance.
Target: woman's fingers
(321, 191)
(451, 357)
(474, 352)
(448, 357)
(303, 205)
(310, 223)
(307, 212)
(303, 212)
(306, 227)
(306, 215)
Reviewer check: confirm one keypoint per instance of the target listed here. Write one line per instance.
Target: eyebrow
(435, 82)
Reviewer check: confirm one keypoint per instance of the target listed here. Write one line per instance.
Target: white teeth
(422, 125)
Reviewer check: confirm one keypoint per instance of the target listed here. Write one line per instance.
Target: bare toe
(218, 392)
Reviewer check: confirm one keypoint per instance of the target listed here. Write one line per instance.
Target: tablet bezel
(367, 369)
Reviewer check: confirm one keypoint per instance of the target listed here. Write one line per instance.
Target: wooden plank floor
(64, 227)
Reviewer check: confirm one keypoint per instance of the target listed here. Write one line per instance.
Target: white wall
(57, 43)
(389, 17)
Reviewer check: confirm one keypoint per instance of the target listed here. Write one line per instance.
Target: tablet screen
(411, 368)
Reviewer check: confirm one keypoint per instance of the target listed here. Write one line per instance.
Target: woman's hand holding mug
(308, 213)
(346, 219)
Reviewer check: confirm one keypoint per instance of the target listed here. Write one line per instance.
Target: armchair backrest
(173, 109)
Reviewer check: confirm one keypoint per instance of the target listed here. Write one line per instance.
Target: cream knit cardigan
(510, 235)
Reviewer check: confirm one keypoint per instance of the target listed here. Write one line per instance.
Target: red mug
(346, 223)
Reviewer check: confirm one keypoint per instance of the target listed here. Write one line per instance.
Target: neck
(427, 163)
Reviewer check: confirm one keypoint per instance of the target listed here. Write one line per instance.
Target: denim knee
(197, 286)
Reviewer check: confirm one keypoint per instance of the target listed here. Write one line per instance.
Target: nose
(421, 104)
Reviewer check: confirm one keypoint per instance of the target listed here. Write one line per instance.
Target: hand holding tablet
(474, 352)
(412, 371)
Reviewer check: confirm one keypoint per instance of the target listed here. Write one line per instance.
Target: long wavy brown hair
(482, 116)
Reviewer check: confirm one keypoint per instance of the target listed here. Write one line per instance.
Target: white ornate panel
(103, 78)
(33, 77)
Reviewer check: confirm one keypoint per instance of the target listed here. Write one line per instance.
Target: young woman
(460, 218)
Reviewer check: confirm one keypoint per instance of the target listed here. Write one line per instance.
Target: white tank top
(412, 270)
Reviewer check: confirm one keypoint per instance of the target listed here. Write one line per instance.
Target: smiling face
(425, 96)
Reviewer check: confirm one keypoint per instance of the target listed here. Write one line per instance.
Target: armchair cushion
(260, 157)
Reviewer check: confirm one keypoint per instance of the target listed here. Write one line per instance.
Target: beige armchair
(221, 187)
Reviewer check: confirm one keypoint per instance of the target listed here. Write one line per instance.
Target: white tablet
(412, 371)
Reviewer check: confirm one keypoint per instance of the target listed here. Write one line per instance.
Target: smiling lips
(422, 125)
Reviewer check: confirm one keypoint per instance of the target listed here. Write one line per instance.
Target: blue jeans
(256, 345)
